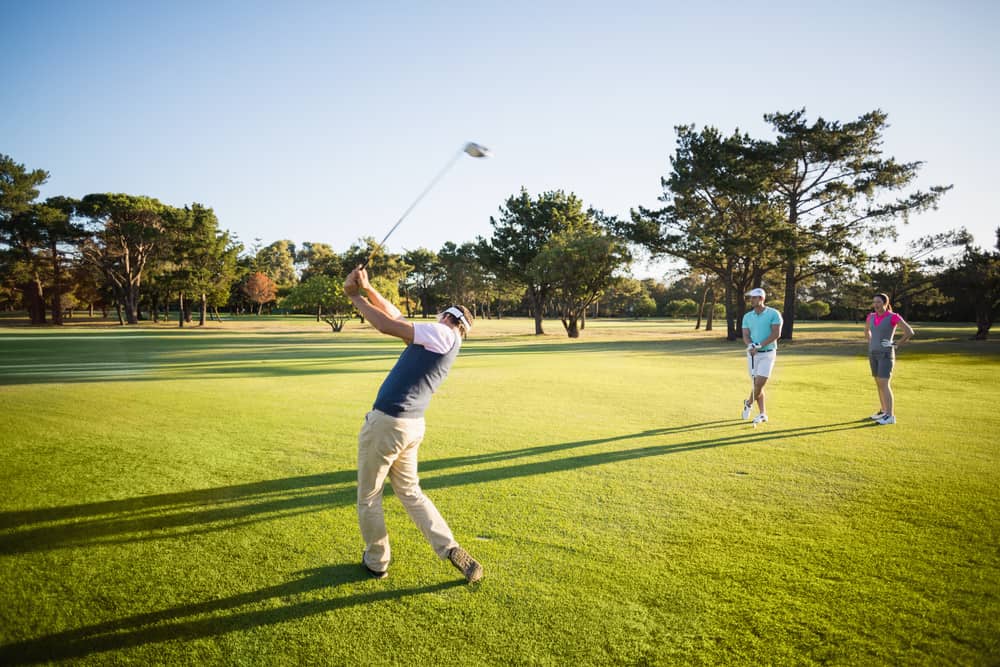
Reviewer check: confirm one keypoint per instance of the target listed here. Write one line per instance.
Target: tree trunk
(36, 304)
(57, 317)
(319, 313)
(180, 310)
(56, 287)
(537, 304)
(204, 309)
(984, 320)
(711, 310)
(118, 310)
(571, 323)
(732, 314)
(132, 304)
(701, 308)
(788, 311)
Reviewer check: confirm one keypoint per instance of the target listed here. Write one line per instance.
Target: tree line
(800, 213)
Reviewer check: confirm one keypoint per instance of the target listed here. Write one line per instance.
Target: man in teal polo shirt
(761, 329)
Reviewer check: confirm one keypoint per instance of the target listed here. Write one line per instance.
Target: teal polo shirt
(760, 326)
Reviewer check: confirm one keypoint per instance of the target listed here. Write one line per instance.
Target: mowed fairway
(187, 497)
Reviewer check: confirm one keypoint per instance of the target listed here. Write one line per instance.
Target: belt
(765, 351)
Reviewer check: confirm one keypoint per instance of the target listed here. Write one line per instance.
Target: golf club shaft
(416, 201)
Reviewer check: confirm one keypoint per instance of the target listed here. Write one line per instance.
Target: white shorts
(761, 363)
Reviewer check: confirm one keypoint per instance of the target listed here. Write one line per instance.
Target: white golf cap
(757, 291)
(459, 315)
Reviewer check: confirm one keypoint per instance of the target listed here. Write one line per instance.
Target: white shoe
(759, 419)
(886, 420)
(878, 415)
(746, 409)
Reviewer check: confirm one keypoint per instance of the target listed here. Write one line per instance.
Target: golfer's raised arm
(376, 299)
(375, 309)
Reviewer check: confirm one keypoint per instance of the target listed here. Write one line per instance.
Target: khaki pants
(387, 447)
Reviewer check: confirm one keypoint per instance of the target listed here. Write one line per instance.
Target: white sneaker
(759, 419)
(886, 420)
(878, 415)
(746, 409)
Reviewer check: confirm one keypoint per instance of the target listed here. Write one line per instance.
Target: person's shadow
(184, 622)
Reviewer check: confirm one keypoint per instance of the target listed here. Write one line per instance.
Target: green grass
(187, 497)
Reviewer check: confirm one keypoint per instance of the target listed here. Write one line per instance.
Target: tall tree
(463, 279)
(277, 261)
(130, 228)
(579, 264)
(524, 227)
(833, 180)
(720, 217)
(423, 278)
(20, 237)
(318, 259)
(975, 279)
(60, 234)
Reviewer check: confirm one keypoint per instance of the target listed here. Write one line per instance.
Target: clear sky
(322, 121)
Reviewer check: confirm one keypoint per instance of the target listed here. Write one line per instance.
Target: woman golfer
(394, 427)
(880, 329)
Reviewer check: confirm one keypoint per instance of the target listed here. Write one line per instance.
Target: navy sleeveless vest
(406, 391)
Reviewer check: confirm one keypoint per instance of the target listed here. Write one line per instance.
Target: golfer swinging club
(394, 428)
(761, 329)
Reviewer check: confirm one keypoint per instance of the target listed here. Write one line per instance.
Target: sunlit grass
(187, 496)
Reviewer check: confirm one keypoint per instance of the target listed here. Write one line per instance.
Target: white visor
(458, 315)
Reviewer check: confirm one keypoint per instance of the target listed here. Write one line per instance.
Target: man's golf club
(472, 149)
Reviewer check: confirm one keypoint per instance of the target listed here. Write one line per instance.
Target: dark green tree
(20, 237)
(129, 230)
(579, 264)
(323, 295)
(423, 278)
(277, 262)
(318, 259)
(975, 280)
(720, 216)
(524, 227)
(833, 181)
(463, 279)
(60, 236)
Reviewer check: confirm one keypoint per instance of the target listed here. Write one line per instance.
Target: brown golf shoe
(466, 564)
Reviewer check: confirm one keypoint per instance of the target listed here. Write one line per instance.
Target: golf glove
(888, 343)
(752, 346)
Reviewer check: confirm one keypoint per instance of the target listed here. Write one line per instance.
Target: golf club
(753, 381)
(471, 149)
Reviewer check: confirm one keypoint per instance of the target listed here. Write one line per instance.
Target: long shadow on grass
(182, 623)
(211, 510)
(615, 456)
(82, 357)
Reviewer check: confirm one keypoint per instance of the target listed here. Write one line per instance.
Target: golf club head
(475, 150)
